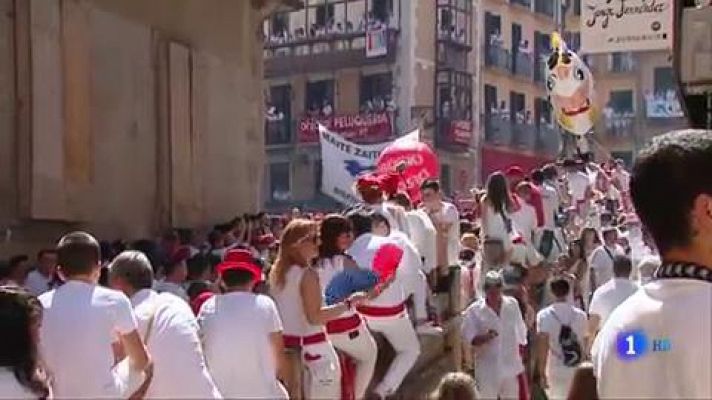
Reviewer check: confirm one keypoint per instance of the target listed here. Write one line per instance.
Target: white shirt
(10, 388)
(502, 352)
(162, 286)
(578, 183)
(235, 329)
(448, 214)
(79, 324)
(609, 296)
(422, 233)
(679, 310)
(363, 250)
(546, 322)
(494, 226)
(601, 263)
(179, 369)
(550, 198)
(524, 221)
(411, 263)
(37, 283)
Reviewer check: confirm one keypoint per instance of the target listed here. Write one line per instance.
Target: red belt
(298, 341)
(381, 311)
(341, 325)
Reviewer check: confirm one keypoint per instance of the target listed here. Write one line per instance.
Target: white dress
(494, 226)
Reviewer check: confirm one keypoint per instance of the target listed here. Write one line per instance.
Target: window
(577, 7)
(445, 179)
(278, 115)
(324, 14)
(490, 99)
(280, 24)
(382, 10)
(542, 112)
(545, 7)
(319, 95)
(664, 79)
(573, 40)
(280, 97)
(621, 62)
(622, 101)
(454, 90)
(516, 106)
(317, 175)
(375, 91)
(280, 185)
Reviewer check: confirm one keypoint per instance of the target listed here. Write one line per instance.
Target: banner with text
(376, 42)
(371, 128)
(342, 161)
(626, 25)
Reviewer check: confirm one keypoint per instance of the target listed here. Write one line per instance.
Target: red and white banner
(461, 132)
(361, 128)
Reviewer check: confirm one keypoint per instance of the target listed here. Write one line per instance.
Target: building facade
(636, 91)
(125, 117)
(370, 70)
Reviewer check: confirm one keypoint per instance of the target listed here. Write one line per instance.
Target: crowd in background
(543, 258)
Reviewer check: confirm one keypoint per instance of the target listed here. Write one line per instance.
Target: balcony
(523, 65)
(454, 135)
(663, 106)
(540, 69)
(618, 125)
(498, 58)
(329, 52)
(524, 136)
(278, 132)
(548, 139)
(498, 128)
(621, 63)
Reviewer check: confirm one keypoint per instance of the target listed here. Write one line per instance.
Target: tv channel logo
(631, 345)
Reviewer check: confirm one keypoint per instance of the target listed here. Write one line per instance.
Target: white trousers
(400, 334)
(491, 385)
(417, 285)
(559, 379)
(361, 347)
(322, 378)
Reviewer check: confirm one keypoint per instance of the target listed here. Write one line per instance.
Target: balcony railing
(663, 105)
(523, 65)
(548, 139)
(524, 136)
(498, 58)
(621, 63)
(540, 68)
(278, 132)
(619, 125)
(326, 52)
(498, 128)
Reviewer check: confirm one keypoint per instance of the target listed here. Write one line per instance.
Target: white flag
(341, 162)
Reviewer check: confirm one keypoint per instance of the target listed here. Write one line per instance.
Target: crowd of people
(548, 265)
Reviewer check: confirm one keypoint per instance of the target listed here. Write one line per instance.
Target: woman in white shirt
(347, 333)
(20, 319)
(496, 223)
(295, 287)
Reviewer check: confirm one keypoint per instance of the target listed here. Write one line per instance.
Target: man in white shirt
(422, 231)
(446, 220)
(525, 222)
(495, 327)
(409, 273)
(579, 183)
(386, 313)
(175, 273)
(672, 194)
(556, 360)
(242, 336)
(547, 243)
(611, 294)
(80, 323)
(40, 279)
(601, 259)
(169, 329)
